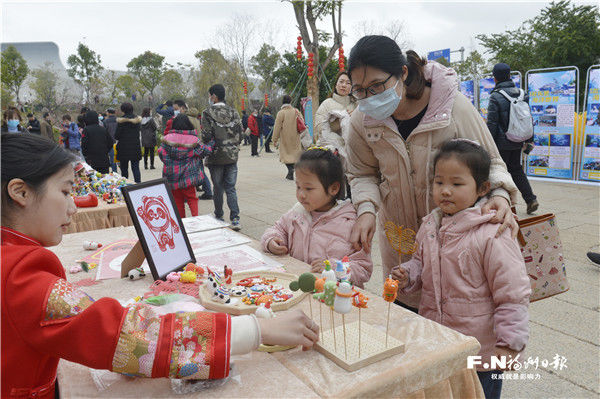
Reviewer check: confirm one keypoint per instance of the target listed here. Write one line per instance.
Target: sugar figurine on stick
(306, 283)
(328, 274)
(390, 291)
(343, 304)
(359, 300)
(329, 298)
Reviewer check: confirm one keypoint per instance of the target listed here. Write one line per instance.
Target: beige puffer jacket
(336, 102)
(392, 177)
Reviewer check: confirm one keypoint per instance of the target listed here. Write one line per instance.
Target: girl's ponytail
(415, 81)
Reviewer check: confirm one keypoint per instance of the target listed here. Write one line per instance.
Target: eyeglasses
(374, 89)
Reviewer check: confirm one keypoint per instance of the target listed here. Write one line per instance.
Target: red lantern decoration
(299, 49)
(341, 59)
(243, 105)
(245, 88)
(266, 100)
(310, 65)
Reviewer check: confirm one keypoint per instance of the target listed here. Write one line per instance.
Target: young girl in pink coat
(471, 280)
(318, 227)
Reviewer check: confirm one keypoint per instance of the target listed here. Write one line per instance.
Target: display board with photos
(590, 160)
(552, 99)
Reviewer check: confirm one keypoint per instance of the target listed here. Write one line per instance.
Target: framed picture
(158, 226)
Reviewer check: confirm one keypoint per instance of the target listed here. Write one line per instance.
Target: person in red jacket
(254, 132)
(46, 318)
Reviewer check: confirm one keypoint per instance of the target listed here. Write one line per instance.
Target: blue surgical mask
(176, 112)
(210, 101)
(382, 105)
(12, 125)
(100, 117)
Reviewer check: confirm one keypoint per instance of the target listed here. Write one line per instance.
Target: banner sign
(308, 114)
(468, 89)
(434, 55)
(552, 97)
(486, 85)
(590, 161)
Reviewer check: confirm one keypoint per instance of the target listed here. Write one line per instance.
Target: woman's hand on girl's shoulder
(503, 215)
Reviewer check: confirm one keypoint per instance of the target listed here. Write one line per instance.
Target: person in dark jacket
(268, 123)
(96, 143)
(148, 137)
(46, 127)
(245, 126)
(110, 123)
(128, 142)
(33, 125)
(497, 122)
(166, 113)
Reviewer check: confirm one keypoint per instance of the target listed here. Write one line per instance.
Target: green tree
(214, 68)
(171, 85)
(288, 76)
(563, 34)
(264, 63)
(44, 85)
(85, 68)
(14, 70)
(148, 68)
(126, 86)
(473, 66)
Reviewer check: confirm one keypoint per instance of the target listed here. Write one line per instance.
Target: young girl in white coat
(470, 280)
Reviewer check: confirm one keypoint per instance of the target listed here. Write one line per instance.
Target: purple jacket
(471, 281)
(326, 238)
(181, 153)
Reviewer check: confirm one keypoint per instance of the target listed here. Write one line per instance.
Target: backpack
(520, 122)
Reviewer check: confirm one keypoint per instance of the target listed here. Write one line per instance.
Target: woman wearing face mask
(11, 121)
(407, 107)
(340, 100)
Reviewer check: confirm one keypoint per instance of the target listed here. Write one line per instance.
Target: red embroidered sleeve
(183, 345)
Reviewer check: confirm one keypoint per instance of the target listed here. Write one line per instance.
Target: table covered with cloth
(432, 366)
(100, 217)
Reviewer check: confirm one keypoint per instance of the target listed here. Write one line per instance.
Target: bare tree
(394, 29)
(307, 14)
(235, 37)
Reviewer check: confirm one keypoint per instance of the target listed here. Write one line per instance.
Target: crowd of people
(396, 133)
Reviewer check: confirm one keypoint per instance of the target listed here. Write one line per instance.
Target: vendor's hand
(317, 266)
(289, 328)
(276, 247)
(503, 215)
(362, 232)
(508, 353)
(400, 274)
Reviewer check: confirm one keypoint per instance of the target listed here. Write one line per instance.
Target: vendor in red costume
(45, 318)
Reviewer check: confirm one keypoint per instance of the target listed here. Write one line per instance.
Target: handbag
(305, 139)
(543, 254)
(300, 125)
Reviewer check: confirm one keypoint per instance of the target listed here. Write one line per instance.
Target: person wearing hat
(497, 122)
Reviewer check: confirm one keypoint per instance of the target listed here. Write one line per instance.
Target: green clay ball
(307, 282)
(294, 286)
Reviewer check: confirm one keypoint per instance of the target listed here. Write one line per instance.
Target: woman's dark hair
(66, 117)
(91, 118)
(474, 156)
(326, 165)
(127, 108)
(80, 121)
(182, 122)
(286, 99)
(383, 53)
(146, 112)
(31, 158)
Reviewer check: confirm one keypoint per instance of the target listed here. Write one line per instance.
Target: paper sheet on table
(109, 258)
(240, 259)
(204, 241)
(202, 223)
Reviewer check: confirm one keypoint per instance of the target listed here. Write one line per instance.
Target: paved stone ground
(567, 324)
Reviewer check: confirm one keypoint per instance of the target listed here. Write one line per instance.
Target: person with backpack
(511, 135)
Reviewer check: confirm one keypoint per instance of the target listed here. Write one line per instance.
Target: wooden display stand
(134, 259)
(372, 346)
(240, 308)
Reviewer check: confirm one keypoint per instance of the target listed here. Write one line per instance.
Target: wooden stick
(359, 333)
(387, 328)
(333, 329)
(345, 347)
(320, 320)
(310, 304)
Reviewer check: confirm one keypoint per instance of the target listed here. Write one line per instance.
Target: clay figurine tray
(240, 308)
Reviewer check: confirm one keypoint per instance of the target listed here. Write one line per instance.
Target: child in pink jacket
(318, 227)
(470, 280)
